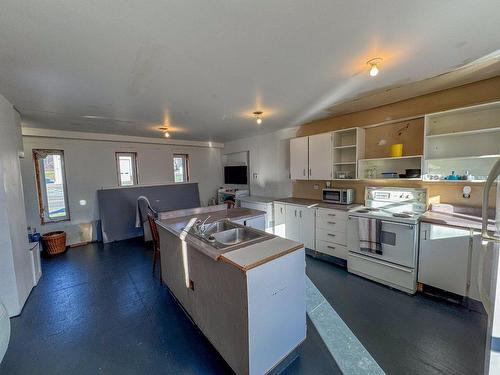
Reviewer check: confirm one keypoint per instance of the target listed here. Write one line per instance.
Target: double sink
(224, 234)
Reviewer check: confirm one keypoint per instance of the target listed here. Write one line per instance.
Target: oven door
(399, 242)
(334, 195)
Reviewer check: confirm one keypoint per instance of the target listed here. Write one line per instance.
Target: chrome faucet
(492, 176)
(202, 227)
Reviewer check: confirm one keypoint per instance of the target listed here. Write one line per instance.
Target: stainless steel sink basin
(224, 234)
(236, 235)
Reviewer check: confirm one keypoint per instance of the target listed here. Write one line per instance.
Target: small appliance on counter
(338, 196)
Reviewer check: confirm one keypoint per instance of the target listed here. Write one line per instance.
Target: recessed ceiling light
(374, 69)
(258, 117)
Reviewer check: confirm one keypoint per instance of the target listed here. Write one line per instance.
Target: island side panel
(220, 307)
(172, 268)
(217, 303)
(276, 310)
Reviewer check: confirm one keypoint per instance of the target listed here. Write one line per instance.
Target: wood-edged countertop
(244, 258)
(317, 203)
(457, 216)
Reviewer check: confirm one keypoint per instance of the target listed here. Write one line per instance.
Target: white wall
(269, 156)
(16, 278)
(91, 165)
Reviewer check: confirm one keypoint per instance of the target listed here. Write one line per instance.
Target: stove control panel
(414, 196)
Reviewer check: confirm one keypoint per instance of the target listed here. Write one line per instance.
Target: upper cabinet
(463, 142)
(311, 157)
(320, 156)
(299, 158)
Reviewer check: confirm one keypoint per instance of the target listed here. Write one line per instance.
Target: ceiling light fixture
(164, 129)
(374, 66)
(258, 117)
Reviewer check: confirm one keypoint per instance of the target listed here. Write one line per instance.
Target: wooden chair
(229, 203)
(156, 241)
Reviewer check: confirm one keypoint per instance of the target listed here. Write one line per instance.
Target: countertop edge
(263, 260)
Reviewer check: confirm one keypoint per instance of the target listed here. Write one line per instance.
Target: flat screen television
(236, 174)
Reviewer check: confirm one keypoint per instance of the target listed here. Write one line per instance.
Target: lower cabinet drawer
(330, 248)
(331, 236)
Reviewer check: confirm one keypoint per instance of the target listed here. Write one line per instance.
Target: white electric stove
(397, 212)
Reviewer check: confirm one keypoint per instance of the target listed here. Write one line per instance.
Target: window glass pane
(54, 186)
(179, 169)
(126, 165)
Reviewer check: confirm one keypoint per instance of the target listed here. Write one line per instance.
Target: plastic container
(396, 150)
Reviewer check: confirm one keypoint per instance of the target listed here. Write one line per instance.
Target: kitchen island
(248, 297)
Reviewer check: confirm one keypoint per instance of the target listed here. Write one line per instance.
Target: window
(51, 185)
(181, 168)
(126, 165)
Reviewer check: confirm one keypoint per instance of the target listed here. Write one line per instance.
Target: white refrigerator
(490, 294)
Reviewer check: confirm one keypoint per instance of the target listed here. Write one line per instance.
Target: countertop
(456, 220)
(257, 199)
(317, 203)
(244, 258)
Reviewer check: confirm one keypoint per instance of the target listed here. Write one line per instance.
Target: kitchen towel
(369, 235)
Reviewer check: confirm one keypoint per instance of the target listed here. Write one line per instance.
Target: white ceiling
(205, 66)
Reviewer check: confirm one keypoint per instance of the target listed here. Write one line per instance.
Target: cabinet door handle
(300, 214)
(332, 222)
(281, 209)
(331, 247)
(304, 172)
(310, 172)
(331, 234)
(295, 213)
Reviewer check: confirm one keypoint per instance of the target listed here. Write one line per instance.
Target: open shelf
(392, 158)
(348, 147)
(343, 147)
(372, 169)
(465, 141)
(466, 132)
(345, 163)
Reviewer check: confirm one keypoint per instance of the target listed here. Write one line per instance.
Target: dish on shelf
(389, 175)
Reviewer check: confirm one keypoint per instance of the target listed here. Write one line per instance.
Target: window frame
(41, 187)
(185, 158)
(134, 167)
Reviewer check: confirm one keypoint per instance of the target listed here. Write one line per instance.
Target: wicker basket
(54, 242)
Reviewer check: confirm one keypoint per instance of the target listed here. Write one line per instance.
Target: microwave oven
(339, 196)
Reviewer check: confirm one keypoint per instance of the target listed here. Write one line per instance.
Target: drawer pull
(331, 247)
(332, 215)
(331, 234)
(332, 222)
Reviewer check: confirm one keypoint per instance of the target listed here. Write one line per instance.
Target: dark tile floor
(404, 334)
(98, 309)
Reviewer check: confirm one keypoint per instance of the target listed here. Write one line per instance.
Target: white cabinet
(311, 158)
(257, 222)
(444, 257)
(279, 219)
(292, 222)
(331, 230)
(299, 224)
(267, 207)
(306, 226)
(320, 157)
(299, 158)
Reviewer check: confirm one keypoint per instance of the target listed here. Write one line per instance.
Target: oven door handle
(404, 269)
(409, 226)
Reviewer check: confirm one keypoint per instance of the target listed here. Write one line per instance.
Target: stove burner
(402, 214)
(366, 210)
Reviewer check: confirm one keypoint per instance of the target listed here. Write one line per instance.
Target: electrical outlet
(316, 186)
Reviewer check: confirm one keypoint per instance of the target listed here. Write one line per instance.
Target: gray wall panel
(117, 207)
